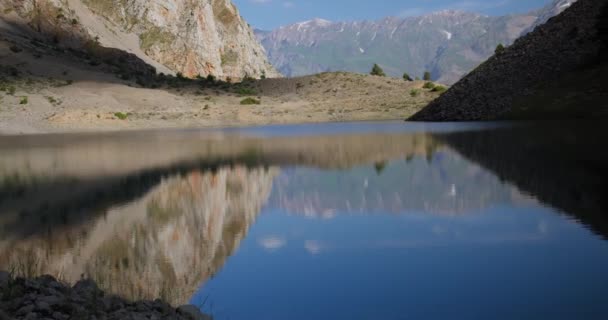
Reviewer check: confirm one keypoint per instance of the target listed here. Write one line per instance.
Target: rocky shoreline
(46, 298)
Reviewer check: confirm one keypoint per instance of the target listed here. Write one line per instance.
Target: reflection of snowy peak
(441, 182)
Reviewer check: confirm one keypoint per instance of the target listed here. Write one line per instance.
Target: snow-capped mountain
(447, 43)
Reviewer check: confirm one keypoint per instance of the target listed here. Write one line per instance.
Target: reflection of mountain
(26, 159)
(562, 164)
(442, 183)
(61, 181)
(164, 244)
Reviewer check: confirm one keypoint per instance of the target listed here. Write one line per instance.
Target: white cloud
(313, 247)
(272, 243)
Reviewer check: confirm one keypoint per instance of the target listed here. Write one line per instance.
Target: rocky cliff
(556, 71)
(179, 36)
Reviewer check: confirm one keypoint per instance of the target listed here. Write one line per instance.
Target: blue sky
(270, 14)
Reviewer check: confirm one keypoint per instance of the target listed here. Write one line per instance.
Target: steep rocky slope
(180, 36)
(556, 71)
(448, 44)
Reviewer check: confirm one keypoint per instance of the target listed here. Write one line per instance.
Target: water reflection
(163, 244)
(159, 215)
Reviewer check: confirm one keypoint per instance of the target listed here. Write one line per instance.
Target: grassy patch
(24, 100)
(414, 93)
(250, 101)
(429, 85)
(121, 116)
(53, 101)
(155, 36)
(439, 89)
(229, 58)
(246, 91)
(15, 49)
(8, 88)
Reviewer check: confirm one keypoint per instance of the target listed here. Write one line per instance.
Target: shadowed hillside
(557, 71)
(562, 164)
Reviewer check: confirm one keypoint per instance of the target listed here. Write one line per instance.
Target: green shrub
(250, 101)
(427, 76)
(500, 48)
(242, 91)
(414, 93)
(407, 77)
(23, 100)
(211, 78)
(429, 85)
(121, 116)
(15, 49)
(377, 71)
(439, 89)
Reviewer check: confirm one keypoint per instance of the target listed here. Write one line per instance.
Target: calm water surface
(334, 221)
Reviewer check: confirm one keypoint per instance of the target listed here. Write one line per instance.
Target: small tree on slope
(377, 71)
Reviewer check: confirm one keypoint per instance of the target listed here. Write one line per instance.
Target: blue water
(517, 260)
(367, 220)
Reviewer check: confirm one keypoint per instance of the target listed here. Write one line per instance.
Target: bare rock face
(191, 37)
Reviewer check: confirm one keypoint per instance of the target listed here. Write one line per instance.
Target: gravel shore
(46, 298)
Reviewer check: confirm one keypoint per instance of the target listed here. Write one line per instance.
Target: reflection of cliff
(164, 244)
(43, 158)
(440, 182)
(67, 180)
(564, 165)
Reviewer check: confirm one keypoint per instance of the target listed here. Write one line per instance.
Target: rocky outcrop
(46, 298)
(556, 71)
(194, 38)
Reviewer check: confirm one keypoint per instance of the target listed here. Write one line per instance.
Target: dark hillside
(557, 71)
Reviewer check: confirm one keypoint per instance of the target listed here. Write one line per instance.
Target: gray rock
(25, 310)
(43, 306)
(4, 316)
(86, 285)
(60, 316)
(5, 277)
(191, 312)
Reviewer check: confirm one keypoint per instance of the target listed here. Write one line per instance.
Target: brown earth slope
(44, 88)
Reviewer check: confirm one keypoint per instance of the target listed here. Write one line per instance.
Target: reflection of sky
(503, 263)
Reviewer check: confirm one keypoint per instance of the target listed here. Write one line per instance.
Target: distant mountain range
(448, 43)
